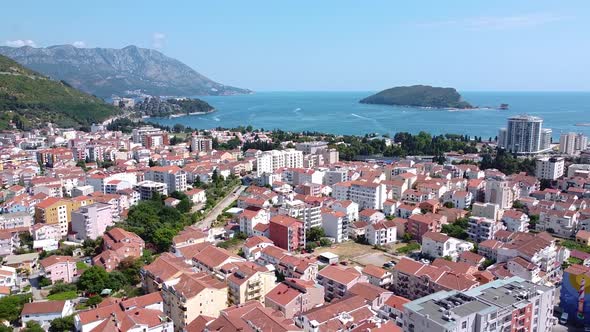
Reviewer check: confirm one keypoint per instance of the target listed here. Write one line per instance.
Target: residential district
(151, 230)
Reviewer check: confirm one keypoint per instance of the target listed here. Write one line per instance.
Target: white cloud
(498, 22)
(79, 44)
(20, 43)
(158, 39)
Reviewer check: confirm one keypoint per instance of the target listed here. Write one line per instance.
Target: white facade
(335, 225)
(172, 176)
(572, 143)
(381, 233)
(549, 168)
(270, 161)
(440, 245)
(523, 135)
(500, 193)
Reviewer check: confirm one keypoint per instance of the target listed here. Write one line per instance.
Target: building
(249, 282)
(269, 161)
(146, 189)
(191, 295)
(164, 268)
(91, 221)
(335, 225)
(572, 143)
(173, 176)
(515, 221)
(499, 192)
(44, 312)
(562, 223)
(59, 268)
(523, 135)
(150, 137)
(381, 233)
(287, 232)
(250, 217)
(118, 244)
(419, 224)
(367, 195)
(15, 220)
(413, 280)
(141, 313)
(502, 305)
(377, 276)
(574, 294)
(201, 144)
(58, 211)
(486, 210)
(441, 245)
(337, 280)
(481, 229)
(294, 296)
(549, 168)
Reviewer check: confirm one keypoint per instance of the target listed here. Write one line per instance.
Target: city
(110, 227)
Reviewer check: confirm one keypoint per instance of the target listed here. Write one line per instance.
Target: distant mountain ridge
(106, 71)
(419, 96)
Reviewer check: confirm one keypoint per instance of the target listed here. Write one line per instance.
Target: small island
(419, 96)
(156, 107)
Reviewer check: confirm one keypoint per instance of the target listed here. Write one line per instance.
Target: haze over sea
(341, 113)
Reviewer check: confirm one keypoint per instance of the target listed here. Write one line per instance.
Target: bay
(341, 113)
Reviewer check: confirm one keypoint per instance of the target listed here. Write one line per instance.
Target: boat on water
(503, 106)
(583, 124)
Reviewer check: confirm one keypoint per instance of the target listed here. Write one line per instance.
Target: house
(164, 268)
(250, 217)
(441, 245)
(481, 229)
(118, 244)
(350, 208)
(381, 233)
(371, 215)
(460, 199)
(59, 268)
(583, 237)
(44, 312)
(563, 223)
(341, 315)
(294, 296)
(337, 280)
(377, 276)
(8, 277)
(394, 308)
(142, 313)
(515, 221)
(196, 195)
(471, 258)
(171, 202)
(335, 225)
(419, 224)
(211, 259)
(406, 210)
(253, 246)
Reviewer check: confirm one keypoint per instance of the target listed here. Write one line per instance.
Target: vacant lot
(358, 253)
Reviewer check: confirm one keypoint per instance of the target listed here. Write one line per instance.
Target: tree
(185, 205)
(61, 287)
(163, 238)
(64, 324)
(94, 280)
(130, 267)
(315, 234)
(407, 237)
(449, 205)
(94, 300)
(33, 326)
(12, 305)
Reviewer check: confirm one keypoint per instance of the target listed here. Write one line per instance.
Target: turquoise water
(340, 113)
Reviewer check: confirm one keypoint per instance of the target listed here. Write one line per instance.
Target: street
(218, 209)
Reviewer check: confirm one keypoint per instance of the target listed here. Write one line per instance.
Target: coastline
(180, 115)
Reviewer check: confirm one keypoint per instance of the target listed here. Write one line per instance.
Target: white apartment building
(459, 198)
(99, 181)
(549, 168)
(335, 225)
(173, 176)
(436, 245)
(486, 210)
(14, 220)
(524, 134)
(512, 304)
(562, 223)
(515, 221)
(334, 176)
(309, 213)
(201, 143)
(481, 229)
(270, 161)
(367, 195)
(381, 233)
(500, 193)
(572, 143)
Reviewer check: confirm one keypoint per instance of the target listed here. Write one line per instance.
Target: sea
(341, 113)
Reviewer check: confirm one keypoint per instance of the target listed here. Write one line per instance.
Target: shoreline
(174, 116)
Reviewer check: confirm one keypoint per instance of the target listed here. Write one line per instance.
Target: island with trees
(419, 96)
(157, 107)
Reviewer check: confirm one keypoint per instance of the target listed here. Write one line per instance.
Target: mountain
(419, 96)
(30, 99)
(105, 71)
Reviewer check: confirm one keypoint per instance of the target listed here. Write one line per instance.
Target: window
(464, 325)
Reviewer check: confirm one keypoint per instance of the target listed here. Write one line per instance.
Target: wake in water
(360, 117)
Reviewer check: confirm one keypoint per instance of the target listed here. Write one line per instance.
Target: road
(218, 209)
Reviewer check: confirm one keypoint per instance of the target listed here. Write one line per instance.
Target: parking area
(376, 258)
(360, 254)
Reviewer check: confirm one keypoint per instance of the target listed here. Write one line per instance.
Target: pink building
(91, 221)
(287, 232)
(58, 268)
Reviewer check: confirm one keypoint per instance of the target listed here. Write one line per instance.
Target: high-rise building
(201, 143)
(269, 161)
(572, 143)
(524, 134)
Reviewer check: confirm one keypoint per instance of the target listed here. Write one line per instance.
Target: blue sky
(333, 45)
